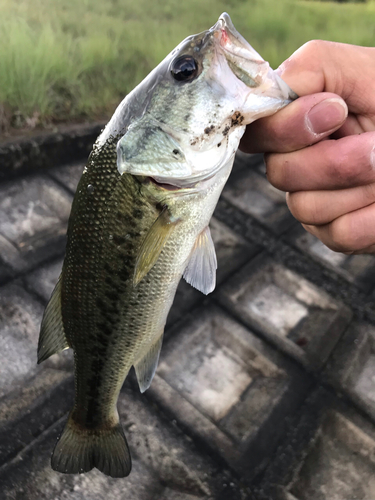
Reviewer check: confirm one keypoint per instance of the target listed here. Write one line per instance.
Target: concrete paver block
(358, 269)
(327, 453)
(232, 252)
(20, 317)
(6, 272)
(185, 299)
(227, 388)
(303, 320)
(29, 410)
(169, 494)
(164, 461)
(69, 175)
(339, 464)
(254, 195)
(33, 218)
(223, 396)
(44, 279)
(231, 249)
(351, 368)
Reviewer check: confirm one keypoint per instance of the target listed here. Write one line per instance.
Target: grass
(65, 60)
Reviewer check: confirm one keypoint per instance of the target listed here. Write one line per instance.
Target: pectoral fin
(145, 368)
(153, 244)
(52, 336)
(201, 269)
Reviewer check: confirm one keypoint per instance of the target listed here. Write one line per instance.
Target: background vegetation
(69, 60)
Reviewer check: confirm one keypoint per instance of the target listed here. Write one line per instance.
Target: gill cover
(146, 149)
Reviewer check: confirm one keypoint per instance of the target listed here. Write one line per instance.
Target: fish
(140, 221)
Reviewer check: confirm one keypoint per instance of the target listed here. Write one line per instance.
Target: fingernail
(326, 116)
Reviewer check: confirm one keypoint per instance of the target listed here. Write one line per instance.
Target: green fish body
(139, 222)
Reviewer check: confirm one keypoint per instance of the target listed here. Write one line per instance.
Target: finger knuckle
(297, 206)
(313, 47)
(338, 170)
(278, 171)
(368, 193)
(306, 208)
(342, 170)
(341, 238)
(273, 169)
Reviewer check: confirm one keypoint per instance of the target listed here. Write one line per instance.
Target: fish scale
(139, 222)
(99, 319)
(139, 319)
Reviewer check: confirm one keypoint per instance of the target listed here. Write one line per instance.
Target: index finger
(332, 164)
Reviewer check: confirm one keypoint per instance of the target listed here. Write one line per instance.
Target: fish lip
(227, 24)
(164, 185)
(236, 47)
(185, 183)
(182, 184)
(230, 34)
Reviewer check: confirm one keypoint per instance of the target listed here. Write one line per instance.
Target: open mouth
(164, 185)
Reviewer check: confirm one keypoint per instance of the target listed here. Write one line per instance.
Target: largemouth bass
(139, 222)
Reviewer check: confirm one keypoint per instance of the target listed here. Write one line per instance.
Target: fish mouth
(164, 185)
(249, 66)
(183, 184)
(233, 42)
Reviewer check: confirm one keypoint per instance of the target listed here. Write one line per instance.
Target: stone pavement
(265, 388)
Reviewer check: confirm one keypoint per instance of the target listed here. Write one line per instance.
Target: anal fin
(52, 336)
(145, 367)
(201, 269)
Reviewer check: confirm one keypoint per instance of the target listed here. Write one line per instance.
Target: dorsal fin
(201, 269)
(52, 336)
(145, 367)
(153, 244)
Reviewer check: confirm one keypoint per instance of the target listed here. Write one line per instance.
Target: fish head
(193, 108)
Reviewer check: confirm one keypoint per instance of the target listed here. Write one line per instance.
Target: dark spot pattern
(209, 130)
(137, 214)
(226, 130)
(118, 239)
(237, 119)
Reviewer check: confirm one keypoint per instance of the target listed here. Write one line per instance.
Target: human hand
(321, 155)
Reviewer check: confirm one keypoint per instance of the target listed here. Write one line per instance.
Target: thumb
(303, 122)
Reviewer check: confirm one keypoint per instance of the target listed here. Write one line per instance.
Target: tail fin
(79, 450)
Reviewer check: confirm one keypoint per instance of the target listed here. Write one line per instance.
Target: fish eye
(184, 68)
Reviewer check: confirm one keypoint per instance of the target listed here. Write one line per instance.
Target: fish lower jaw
(164, 185)
(188, 183)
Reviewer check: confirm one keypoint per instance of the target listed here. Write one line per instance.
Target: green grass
(65, 60)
